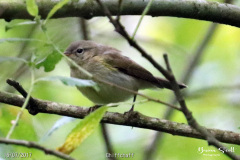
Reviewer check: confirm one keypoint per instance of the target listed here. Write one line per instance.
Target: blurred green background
(214, 89)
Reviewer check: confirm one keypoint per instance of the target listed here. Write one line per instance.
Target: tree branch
(19, 88)
(175, 87)
(84, 29)
(186, 76)
(30, 144)
(211, 139)
(201, 10)
(137, 120)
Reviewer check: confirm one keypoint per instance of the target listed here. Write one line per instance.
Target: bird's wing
(131, 68)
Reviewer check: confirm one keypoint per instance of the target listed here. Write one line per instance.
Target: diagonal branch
(211, 139)
(20, 89)
(186, 76)
(169, 75)
(137, 120)
(121, 30)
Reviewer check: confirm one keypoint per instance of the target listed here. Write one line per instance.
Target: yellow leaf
(82, 131)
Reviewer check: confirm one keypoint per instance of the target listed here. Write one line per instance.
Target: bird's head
(81, 51)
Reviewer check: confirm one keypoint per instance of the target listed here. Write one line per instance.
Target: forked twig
(32, 104)
(168, 75)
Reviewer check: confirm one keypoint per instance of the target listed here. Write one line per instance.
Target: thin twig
(137, 93)
(24, 105)
(18, 87)
(141, 18)
(30, 144)
(191, 120)
(119, 10)
(31, 109)
(120, 29)
(186, 77)
(90, 76)
(84, 29)
(221, 89)
(168, 75)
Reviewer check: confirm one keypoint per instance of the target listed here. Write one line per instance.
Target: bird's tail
(163, 83)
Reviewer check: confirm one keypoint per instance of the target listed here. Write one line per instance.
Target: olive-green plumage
(109, 64)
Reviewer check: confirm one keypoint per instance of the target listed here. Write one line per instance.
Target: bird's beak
(67, 53)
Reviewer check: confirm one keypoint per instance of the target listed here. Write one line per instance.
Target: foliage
(70, 81)
(214, 108)
(82, 131)
(56, 8)
(50, 61)
(32, 7)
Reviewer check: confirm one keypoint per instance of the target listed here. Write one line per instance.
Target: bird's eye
(80, 50)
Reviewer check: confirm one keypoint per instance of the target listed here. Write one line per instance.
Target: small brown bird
(109, 64)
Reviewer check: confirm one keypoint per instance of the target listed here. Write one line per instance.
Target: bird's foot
(129, 113)
(92, 109)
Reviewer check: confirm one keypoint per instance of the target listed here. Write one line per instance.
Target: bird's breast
(107, 93)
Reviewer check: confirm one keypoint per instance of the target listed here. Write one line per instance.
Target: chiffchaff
(110, 65)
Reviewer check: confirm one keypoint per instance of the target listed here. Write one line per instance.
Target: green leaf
(4, 59)
(10, 25)
(50, 61)
(84, 129)
(58, 6)
(32, 8)
(70, 81)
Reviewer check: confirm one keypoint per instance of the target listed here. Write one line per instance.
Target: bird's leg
(129, 113)
(134, 99)
(93, 108)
